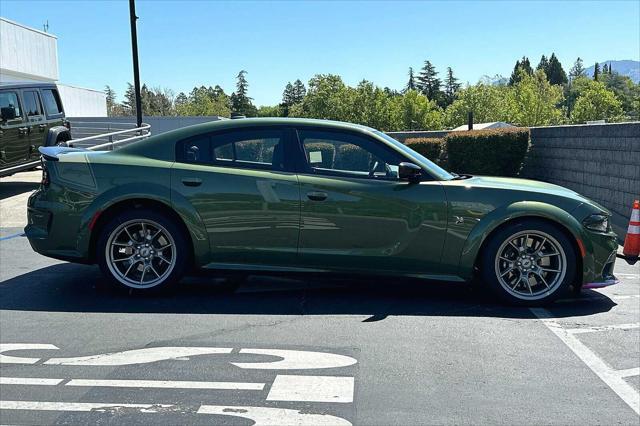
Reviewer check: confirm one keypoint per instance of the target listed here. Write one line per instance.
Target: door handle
(23, 130)
(317, 195)
(191, 181)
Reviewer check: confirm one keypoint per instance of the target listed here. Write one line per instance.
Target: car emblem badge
(459, 220)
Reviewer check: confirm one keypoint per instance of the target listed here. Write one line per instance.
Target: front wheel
(142, 250)
(531, 262)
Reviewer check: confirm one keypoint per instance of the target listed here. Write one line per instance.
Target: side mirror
(409, 171)
(8, 113)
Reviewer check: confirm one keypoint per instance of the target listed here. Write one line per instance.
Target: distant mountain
(628, 67)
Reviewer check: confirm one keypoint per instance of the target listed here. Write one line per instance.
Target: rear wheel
(142, 250)
(531, 262)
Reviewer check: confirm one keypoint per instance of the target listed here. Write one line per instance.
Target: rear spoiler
(52, 153)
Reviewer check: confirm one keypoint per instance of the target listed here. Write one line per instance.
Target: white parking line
(608, 375)
(166, 384)
(29, 381)
(312, 388)
(629, 326)
(159, 384)
(629, 372)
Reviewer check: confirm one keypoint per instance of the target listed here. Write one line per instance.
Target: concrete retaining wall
(601, 162)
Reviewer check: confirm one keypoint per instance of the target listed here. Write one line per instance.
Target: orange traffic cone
(632, 240)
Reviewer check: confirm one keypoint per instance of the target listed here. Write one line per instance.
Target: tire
(143, 251)
(530, 248)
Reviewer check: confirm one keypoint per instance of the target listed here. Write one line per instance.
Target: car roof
(163, 145)
(24, 85)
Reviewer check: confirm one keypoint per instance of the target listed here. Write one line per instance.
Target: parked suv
(31, 116)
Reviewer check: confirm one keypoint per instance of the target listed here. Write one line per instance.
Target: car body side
(438, 239)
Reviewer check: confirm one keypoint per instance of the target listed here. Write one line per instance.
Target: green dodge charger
(311, 195)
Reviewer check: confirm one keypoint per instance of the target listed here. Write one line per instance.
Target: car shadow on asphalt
(70, 287)
(9, 189)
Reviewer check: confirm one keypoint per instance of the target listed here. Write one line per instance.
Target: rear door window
(31, 103)
(52, 103)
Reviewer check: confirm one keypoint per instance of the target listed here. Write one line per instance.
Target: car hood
(527, 185)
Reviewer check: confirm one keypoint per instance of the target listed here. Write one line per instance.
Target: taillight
(45, 175)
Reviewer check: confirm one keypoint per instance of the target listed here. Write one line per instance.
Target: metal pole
(470, 120)
(134, 51)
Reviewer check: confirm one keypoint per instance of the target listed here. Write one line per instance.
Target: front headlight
(597, 222)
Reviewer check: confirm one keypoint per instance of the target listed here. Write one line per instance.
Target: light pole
(134, 51)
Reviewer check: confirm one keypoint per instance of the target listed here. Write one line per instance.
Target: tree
(596, 71)
(417, 112)
(577, 70)
(596, 102)
(451, 87)
(543, 64)
(523, 65)
(487, 102)
(555, 73)
(203, 101)
(411, 84)
(428, 82)
(287, 95)
(534, 101)
(129, 104)
(110, 95)
(299, 91)
(240, 101)
(605, 69)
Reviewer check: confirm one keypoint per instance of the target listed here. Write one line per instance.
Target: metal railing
(96, 141)
(87, 135)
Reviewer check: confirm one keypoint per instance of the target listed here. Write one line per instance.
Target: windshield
(438, 171)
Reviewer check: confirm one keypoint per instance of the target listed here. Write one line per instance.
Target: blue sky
(188, 43)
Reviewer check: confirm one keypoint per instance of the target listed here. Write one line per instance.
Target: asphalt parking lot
(302, 350)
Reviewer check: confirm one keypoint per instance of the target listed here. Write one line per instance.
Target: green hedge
(352, 157)
(498, 152)
(328, 153)
(432, 148)
(249, 150)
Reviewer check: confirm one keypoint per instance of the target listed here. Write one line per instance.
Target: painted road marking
(295, 360)
(629, 372)
(9, 237)
(312, 389)
(268, 416)
(261, 416)
(29, 381)
(629, 326)
(289, 359)
(166, 384)
(608, 375)
(6, 347)
(160, 384)
(138, 356)
(80, 406)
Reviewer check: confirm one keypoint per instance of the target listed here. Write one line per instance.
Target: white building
(30, 55)
(484, 126)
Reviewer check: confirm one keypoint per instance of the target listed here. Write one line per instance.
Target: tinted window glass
(197, 150)
(9, 105)
(242, 148)
(52, 102)
(31, 103)
(260, 148)
(349, 155)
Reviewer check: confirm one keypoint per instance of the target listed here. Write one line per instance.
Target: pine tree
(299, 92)
(411, 84)
(129, 103)
(577, 70)
(543, 64)
(111, 100)
(523, 64)
(287, 95)
(596, 71)
(240, 102)
(451, 87)
(428, 81)
(610, 69)
(555, 72)
(605, 69)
